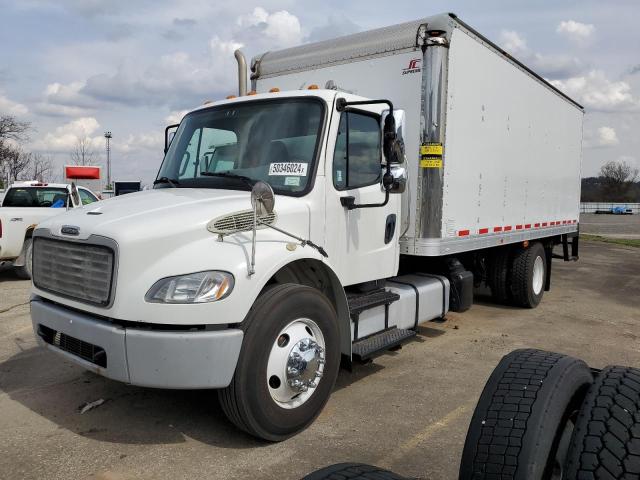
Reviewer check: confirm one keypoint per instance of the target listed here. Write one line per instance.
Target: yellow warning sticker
(431, 149)
(431, 163)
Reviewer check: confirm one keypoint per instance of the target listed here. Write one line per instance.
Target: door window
(357, 156)
(86, 197)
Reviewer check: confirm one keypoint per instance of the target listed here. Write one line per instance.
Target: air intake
(238, 222)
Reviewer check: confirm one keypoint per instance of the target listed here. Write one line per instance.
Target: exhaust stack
(242, 72)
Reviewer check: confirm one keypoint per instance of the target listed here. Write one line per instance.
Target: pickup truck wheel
(288, 363)
(528, 273)
(353, 471)
(24, 271)
(606, 440)
(524, 419)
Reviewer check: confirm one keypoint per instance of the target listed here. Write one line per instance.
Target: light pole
(107, 136)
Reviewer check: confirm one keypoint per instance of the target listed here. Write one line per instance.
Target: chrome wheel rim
(296, 363)
(538, 275)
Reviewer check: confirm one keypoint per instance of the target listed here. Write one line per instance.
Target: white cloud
(175, 116)
(577, 32)
(9, 107)
(513, 42)
(594, 90)
(150, 141)
(548, 65)
(65, 137)
(607, 137)
(281, 27)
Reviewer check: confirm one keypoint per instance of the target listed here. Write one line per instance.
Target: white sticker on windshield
(292, 181)
(288, 168)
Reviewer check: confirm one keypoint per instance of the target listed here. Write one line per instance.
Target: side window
(357, 157)
(218, 150)
(86, 197)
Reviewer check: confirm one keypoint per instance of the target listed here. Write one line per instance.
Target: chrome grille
(80, 271)
(238, 222)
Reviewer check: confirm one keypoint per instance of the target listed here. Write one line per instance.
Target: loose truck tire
(606, 439)
(24, 271)
(498, 275)
(290, 335)
(353, 471)
(528, 273)
(522, 424)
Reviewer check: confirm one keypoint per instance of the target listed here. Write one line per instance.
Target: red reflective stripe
(544, 224)
(575, 221)
(564, 222)
(552, 223)
(528, 225)
(497, 229)
(462, 233)
(507, 228)
(518, 227)
(537, 225)
(483, 230)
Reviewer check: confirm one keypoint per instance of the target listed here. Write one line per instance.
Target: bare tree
(83, 153)
(617, 177)
(41, 167)
(12, 129)
(15, 163)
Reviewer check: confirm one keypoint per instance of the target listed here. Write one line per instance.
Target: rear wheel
(606, 440)
(523, 422)
(288, 363)
(528, 275)
(498, 275)
(24, 271)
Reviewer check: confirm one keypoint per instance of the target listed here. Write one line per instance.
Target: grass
(629, 242)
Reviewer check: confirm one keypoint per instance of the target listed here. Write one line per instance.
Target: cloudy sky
(80, 67)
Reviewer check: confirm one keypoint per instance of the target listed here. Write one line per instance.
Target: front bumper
(144, 357)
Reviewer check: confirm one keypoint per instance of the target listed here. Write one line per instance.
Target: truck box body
(508, 168)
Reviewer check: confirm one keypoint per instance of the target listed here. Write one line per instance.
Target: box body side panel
(512, 149)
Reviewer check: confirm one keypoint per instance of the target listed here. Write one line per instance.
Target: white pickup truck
(24, 206)
(406, 165)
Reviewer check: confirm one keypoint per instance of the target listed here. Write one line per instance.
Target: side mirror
(393, 127)
(169, 133)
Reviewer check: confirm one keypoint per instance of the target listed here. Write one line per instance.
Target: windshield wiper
(171, 181)
(248, 180)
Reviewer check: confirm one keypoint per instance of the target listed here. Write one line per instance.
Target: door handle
(389, 228)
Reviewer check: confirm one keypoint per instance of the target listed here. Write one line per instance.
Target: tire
(24, 271)
(353, 471)
(249, 401)
(526, 288)
(522, 415)
(498, 275)
(606, 440)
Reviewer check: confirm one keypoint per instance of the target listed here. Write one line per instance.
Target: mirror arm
(166, 136)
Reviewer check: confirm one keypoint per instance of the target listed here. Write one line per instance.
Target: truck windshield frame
(273, 140)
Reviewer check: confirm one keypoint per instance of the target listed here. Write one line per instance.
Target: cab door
(362, 243)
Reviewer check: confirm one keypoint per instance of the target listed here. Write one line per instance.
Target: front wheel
(288, 363)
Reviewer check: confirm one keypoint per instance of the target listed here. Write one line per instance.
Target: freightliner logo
(414, 66)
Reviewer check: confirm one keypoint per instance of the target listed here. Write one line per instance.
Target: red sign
(82, 172)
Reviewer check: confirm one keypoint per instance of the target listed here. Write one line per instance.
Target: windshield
(275, 141)
(36, 197)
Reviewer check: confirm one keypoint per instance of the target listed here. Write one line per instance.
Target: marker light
(313, 86)
(274, 90)
(229, 97)
(252, 92)
(199, 287)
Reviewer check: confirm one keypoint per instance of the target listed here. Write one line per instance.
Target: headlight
(200, 287)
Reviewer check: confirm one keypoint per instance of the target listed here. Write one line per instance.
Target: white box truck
(363, 186)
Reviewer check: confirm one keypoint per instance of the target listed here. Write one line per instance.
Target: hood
(161, 213)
